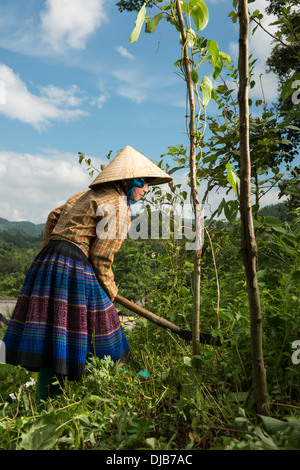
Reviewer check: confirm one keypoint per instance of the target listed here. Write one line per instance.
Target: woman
(65, 308)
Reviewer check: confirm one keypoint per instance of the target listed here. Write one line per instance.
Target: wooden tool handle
(147, 314)
(205, 338)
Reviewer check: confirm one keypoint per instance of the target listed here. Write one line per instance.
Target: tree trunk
(249, 247)
(194, 192)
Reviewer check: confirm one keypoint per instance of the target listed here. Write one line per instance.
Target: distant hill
(30, 228)
(35, 230)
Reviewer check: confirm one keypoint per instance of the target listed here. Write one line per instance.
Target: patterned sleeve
(50, 224)
(55, 214)
(111, 232)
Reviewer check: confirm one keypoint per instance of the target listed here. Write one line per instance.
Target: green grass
(186, 402)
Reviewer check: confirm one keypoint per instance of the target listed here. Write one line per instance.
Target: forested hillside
(29, 228)
(17, 251)
(21, 241)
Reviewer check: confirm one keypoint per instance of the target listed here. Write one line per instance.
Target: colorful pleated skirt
(62, 315)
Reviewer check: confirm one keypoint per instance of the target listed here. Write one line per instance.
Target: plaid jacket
(97, 221)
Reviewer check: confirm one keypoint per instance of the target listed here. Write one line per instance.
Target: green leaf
(217, 68)
(179, 63)
(233, 15)
(257, 224)
(213, 50)
(198, 11)
(174, 169)
(257, 14)
(271, 221)
(187, 361)
(282, 250)
(206, 88)
(279, 229)
(294, 423)
(255, 208)
(260, 274)
(287, 89)
(152, 442)
(41, 435)
(272, 424)
(209, 158)
(138, 24)
(83, 418)
(266, 440)
(293, 191)
(195, 77)
(217, 61)
(191, 37)
(232, 179)
(231, 210)
(152, 24)
(225, 57)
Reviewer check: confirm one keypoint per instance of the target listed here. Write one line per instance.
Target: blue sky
(74, 82)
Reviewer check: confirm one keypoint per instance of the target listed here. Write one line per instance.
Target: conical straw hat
(129, 163)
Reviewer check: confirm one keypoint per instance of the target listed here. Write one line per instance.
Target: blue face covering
(133, 183)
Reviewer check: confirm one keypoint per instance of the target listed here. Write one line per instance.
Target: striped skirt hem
(62, 315)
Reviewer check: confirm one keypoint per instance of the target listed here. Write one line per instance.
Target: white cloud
(38, 111)
(138, 85)
(69, 97)
(131, 85)
(100, 100)
(124, 52)
(32, 185)
(59, 26)
(68, 23)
